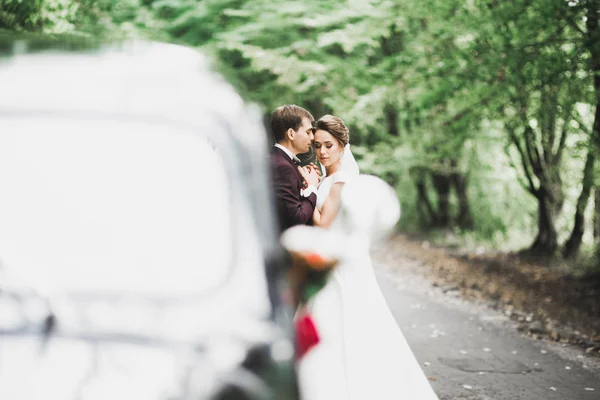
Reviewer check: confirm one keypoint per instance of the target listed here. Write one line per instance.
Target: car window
(112, 206)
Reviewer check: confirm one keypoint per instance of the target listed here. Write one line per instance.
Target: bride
(362, 353)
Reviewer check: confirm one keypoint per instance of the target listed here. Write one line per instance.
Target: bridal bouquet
(314, 254)
(309, 274)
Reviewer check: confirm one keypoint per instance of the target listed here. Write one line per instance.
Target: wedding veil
(348, 162)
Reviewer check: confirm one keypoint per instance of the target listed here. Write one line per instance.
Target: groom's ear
(290, 134)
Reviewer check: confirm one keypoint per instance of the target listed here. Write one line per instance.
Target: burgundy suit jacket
(292, 208)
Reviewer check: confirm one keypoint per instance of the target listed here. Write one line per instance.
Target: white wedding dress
(362, 354)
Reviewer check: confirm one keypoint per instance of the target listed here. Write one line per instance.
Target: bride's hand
(309, 175)
(313, 166)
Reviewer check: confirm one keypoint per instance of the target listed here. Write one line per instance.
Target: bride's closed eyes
(327, 145)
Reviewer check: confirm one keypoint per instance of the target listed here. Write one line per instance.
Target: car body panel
(144, 329)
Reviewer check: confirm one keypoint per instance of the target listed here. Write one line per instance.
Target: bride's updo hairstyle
(335, 126)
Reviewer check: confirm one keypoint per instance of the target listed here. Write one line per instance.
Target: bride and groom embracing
(362, 353)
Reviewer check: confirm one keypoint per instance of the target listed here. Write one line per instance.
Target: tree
(418, 83)
(590, 38)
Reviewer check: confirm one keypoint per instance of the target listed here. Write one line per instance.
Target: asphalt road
(470, 351)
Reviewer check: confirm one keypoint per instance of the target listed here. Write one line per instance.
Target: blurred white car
(139, 258)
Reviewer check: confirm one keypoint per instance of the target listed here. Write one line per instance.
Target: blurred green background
(484, 114)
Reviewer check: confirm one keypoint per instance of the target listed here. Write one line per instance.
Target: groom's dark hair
(286, 117)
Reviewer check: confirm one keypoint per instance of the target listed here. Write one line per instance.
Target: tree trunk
(593, 32)
(408, 117)
(427, 214)
(464, 218)
(425, 210)
(597, 216)
(546, 241)
(573, 245)
(542, 163)
(596, 221)
(441, 183)
(391, 117)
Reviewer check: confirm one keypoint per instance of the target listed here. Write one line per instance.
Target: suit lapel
(284, 156)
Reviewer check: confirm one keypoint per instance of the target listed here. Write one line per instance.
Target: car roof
(144, 79)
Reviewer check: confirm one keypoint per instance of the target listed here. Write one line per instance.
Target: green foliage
(49, 16)
(500, 94)
(20, 15)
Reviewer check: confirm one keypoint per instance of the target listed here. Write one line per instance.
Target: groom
(294, 186)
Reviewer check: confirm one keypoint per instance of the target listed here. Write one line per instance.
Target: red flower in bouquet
(306, 335)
